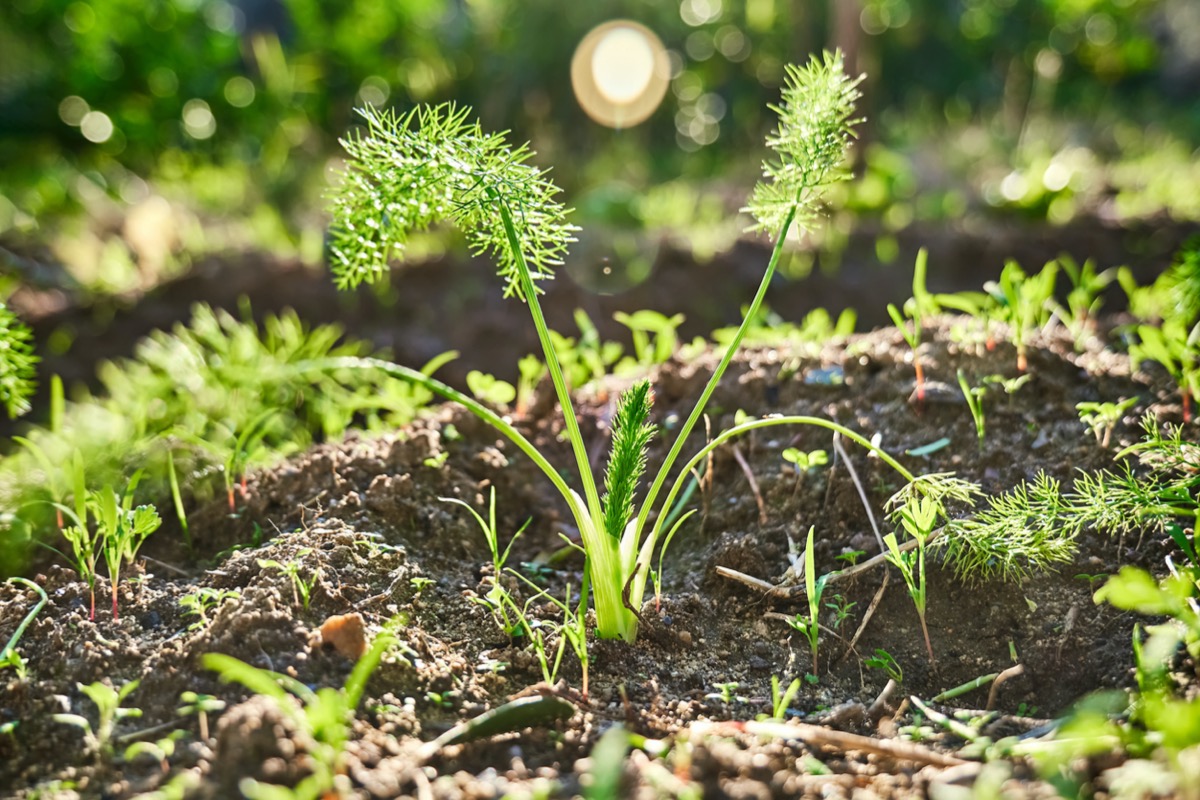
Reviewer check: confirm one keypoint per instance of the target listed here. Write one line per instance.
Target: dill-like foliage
(17, 363)
(1035, 525)
(408, 172)
(627, 461)
(1020, 532)
(815, 129)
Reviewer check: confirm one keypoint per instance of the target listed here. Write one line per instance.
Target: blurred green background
(138, 135)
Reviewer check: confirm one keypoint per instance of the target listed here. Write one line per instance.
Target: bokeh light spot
(72, 109)
(623, 64)
(620, 73)
(239, 91)
(96, 127)
(198, 119)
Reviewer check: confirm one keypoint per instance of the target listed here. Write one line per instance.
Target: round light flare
(620, 73)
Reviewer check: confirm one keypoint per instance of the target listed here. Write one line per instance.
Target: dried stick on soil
(878, 708)
(762, 507)
(862, 494)
(862, 626)
(816, 736)
(1011, 672)
(785, 592)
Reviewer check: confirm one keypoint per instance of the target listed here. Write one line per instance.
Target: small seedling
(497, 598)
(654, 338)
(782, 701)
(323, 715)
(490, 389)
(438, 460)
(301, 586)
(108, 712)
(199, 705)
(810, 627)
(841, 609)
(918, 519)
(726, 693)
(9, 657)
(917, 509)
(204, 600)
(885, 661)
(1010, 386)
(442, 699)
(120, 529)
(851, 557)
(804, 462)
(1024, 303)
(1085, 298)
(420, 583)
(1103, 418)
(1175, 345)
(530, 370)
(921, 305)
(974, 396)
(1092, 580)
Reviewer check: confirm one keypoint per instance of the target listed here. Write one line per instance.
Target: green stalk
(613, 618)
(556, 376)
(730, 352)
(437, 387)
(820, 422)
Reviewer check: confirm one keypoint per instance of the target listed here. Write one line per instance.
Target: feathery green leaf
(406, 173)
(16, 364)
(627, 461)
(815, 128)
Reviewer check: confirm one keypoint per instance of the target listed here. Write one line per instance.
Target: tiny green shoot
(885, 661)
(108, 713)
(974, 396)
(294, 569)
(810, 627)
(1102, 418)
(921, 305)
(9, 657)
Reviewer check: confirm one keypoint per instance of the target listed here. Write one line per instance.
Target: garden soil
(367, 521)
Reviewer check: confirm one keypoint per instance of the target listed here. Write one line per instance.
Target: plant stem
(439, 388)
(556, 376)
(730, 352)
(745, 427)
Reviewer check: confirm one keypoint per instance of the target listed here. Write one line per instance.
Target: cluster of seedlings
(166, 413)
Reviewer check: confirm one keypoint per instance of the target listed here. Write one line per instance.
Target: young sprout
(108, 713)
(921, 305)
(118, 534)
(301, 586)
(804, 462)
(9, 657)
(654, 337)
(497, 598)
(782, 701)
(1010, 386)
(813, 588)
(1102, 418)
(1084, 300)
(204, 600)
(407, 172)
(490, 389)
(918, 508)
(974, 396)
(1024, 303)
(1176, 346)
(885, 661)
